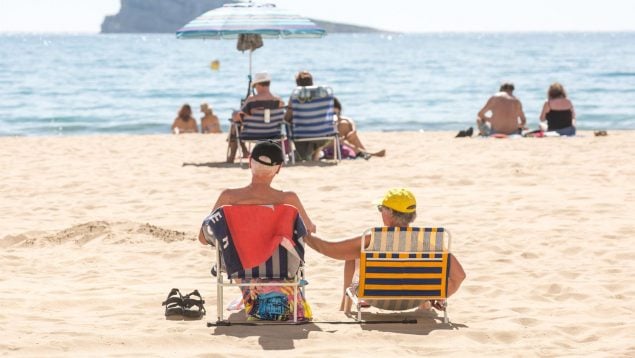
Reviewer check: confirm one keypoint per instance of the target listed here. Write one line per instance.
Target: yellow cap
(399, 199)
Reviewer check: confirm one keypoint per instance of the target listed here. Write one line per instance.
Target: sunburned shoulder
(290, 197)
(228, 197)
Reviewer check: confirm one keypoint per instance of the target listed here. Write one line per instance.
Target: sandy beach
(96, 230)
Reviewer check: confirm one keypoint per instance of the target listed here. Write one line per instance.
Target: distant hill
(167, 16)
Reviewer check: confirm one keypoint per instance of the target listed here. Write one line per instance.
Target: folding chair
(259, 246)
(263, 124)
(401, 268)
(313, 117)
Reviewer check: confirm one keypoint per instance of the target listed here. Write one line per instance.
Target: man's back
(506, 113)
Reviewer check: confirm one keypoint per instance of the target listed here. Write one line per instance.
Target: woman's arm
(348, 249)
(545, 109)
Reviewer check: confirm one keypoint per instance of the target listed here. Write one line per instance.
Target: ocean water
(135, 83)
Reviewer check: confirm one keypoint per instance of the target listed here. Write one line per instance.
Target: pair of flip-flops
(178, 305)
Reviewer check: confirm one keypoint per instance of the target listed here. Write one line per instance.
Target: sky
(393, 15)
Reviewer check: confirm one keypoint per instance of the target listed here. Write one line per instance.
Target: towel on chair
(249, 234)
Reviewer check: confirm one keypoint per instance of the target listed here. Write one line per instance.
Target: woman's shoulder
(560, 104)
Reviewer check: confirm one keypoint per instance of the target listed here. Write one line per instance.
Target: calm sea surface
(89, 84)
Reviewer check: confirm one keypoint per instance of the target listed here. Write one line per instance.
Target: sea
(86, 84)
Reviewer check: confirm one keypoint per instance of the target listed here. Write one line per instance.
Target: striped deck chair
(313, 116)
(402, 268)
(262, 124)
(259, 247)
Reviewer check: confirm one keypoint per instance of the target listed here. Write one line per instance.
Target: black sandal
(173, 303)
(193, 305)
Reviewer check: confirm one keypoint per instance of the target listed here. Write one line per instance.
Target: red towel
(257, 230)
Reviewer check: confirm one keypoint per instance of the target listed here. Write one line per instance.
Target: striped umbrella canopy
(266, 20)
(249, 23)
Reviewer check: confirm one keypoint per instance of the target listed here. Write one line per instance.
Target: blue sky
(401, 15)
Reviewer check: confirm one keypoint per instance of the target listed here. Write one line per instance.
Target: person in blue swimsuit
(558, 114)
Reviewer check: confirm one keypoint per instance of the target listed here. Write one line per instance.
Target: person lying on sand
(398, 208)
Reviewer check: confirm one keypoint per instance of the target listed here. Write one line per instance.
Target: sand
(96, 230)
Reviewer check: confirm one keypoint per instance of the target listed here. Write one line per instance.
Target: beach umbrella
(249, 23)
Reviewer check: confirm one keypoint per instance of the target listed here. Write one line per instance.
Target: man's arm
(292, 198)
(521, 115)
(485, 109)
(223, 199)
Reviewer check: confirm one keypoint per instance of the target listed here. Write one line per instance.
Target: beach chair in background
(260, 248)
(402, 268)
(313, 117)
(264, 123)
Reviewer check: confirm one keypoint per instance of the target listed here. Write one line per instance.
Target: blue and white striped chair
(258, 246)
(263, 124)
(313, 116)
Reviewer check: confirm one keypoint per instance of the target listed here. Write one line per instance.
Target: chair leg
(295, 302)
(445, 315)
(219, 297)
(232, 148)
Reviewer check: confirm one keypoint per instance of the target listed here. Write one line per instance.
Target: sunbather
(261, 100)
(348, 134)
(209, 121)
(184, 122)
(265, 162)
(306, 150)
(398, 208)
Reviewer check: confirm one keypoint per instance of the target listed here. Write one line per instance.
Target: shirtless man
(265, 162)
(262, 99)
(506, 113)
(209, 121)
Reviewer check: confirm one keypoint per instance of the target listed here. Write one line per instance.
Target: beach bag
(274, 303)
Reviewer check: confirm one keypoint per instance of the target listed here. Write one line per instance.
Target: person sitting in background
(309, 150)
(209, 121)
(558, 112)
(184, 122)
(348, 135)
(302, 79)
(263, 99)
(398, 207)
(507, 116)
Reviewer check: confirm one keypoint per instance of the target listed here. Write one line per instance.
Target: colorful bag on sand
(274, 303)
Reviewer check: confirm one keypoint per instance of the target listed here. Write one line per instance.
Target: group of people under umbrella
(249, 23)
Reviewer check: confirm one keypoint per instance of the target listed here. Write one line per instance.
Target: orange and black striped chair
(401, 268)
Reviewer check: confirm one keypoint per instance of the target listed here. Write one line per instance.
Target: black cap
(267, 153)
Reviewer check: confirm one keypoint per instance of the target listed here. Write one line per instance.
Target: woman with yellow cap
(398, 207)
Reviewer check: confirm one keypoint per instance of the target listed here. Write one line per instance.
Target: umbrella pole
(251, 51)
(249, 89)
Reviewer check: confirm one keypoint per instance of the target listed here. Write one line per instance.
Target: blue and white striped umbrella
(249, 23)
(232, 20)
